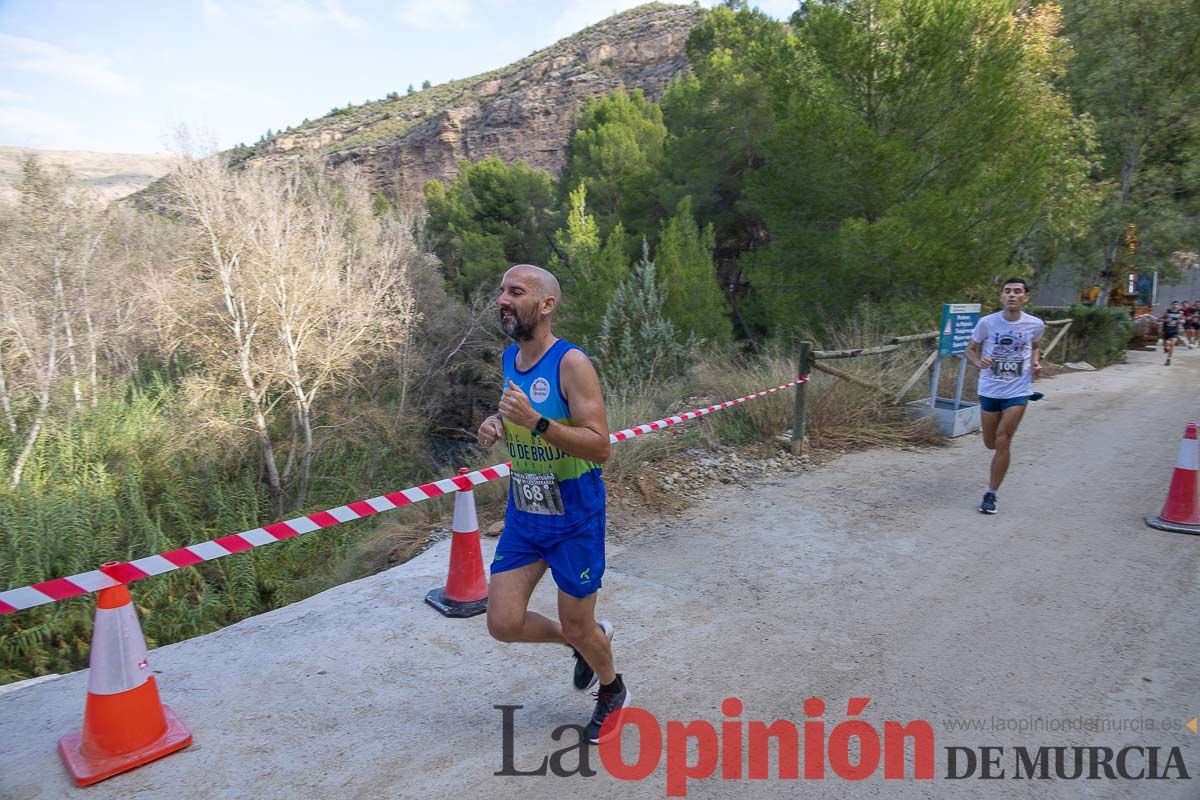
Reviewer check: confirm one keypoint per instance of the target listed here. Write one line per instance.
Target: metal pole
(798, 422)
(935, 383)
(962, 373)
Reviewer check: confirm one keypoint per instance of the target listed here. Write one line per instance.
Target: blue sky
(122, 76)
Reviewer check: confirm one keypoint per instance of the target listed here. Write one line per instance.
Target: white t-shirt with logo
(1010, 346)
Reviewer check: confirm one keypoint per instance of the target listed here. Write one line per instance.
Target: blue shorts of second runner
(994, 405)
(576, 559)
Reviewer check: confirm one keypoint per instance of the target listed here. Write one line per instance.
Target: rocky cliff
(522, 112)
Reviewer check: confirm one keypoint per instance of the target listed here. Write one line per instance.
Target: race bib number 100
(1008, 367)
(537, 494)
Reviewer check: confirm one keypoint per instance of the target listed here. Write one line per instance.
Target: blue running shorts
(576, 559)
(995, 405)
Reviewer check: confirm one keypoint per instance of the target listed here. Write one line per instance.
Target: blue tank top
(551, 491)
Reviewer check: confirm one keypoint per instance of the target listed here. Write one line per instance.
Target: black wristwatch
(540, 428)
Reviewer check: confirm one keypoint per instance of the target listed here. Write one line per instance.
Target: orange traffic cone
(1181, 512)
(124, 723)
(466, 590)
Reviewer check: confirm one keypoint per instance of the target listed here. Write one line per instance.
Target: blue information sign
(958, 320)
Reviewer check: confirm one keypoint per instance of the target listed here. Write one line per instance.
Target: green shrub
(1098, 336)
(638, 345)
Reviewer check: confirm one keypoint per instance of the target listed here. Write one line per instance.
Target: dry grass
(389, 543)
(724, 376)
(626, 409)
(840, 415)
(843, 416)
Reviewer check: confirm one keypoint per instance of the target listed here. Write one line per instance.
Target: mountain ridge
(111, 175)
(520, 112)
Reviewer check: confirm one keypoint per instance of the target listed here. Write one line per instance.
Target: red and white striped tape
(130, 571)
(659, 424)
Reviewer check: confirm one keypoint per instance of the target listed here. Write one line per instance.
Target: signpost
(954, 418)
(958, 320)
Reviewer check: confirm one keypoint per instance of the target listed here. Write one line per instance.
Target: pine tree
(590, 272)
(685, 261)
(617, 151)
(637, 344)
(490, 217)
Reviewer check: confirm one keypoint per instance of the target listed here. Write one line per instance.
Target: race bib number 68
(537, 494)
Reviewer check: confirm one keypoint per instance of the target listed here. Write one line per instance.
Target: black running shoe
(584, 677)
(606, 704)
(988, 506)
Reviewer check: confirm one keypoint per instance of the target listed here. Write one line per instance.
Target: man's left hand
(516, 408)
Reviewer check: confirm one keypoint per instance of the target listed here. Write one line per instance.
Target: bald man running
(552, 420)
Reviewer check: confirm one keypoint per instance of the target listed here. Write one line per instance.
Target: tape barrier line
(50, 591)
(658, 425)
(130, 571)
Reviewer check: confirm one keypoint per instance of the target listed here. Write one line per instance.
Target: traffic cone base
(455, 608)
(89, 769)
(466, 591)
(1181, 511)
(1174, 527)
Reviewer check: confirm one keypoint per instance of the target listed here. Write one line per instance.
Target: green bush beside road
(1098, 336)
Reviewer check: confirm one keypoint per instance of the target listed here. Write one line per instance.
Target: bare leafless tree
(48, 242)
(291, 282)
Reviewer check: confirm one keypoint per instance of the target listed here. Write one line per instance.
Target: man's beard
(515, 328)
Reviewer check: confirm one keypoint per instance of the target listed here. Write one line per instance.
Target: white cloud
(207, 90)
(340, 17)
(213, 12)
(300, 14)
(437, 15)
(9, 96)
(288, 12)
(92, 72)
(26, 127)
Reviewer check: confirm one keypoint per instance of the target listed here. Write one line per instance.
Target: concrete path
(872, 576)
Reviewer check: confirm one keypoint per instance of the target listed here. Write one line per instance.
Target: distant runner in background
(1172, 324)
(1191, 325)
(1005, 346)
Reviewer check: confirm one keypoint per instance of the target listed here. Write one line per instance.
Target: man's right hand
(985, 362)
(490, 432)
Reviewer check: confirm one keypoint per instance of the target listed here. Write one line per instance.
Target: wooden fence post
(798, 423)
(1061, 334)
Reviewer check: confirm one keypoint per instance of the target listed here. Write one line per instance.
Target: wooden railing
(810, 359)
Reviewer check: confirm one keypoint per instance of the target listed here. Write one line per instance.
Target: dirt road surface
(872, 576)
